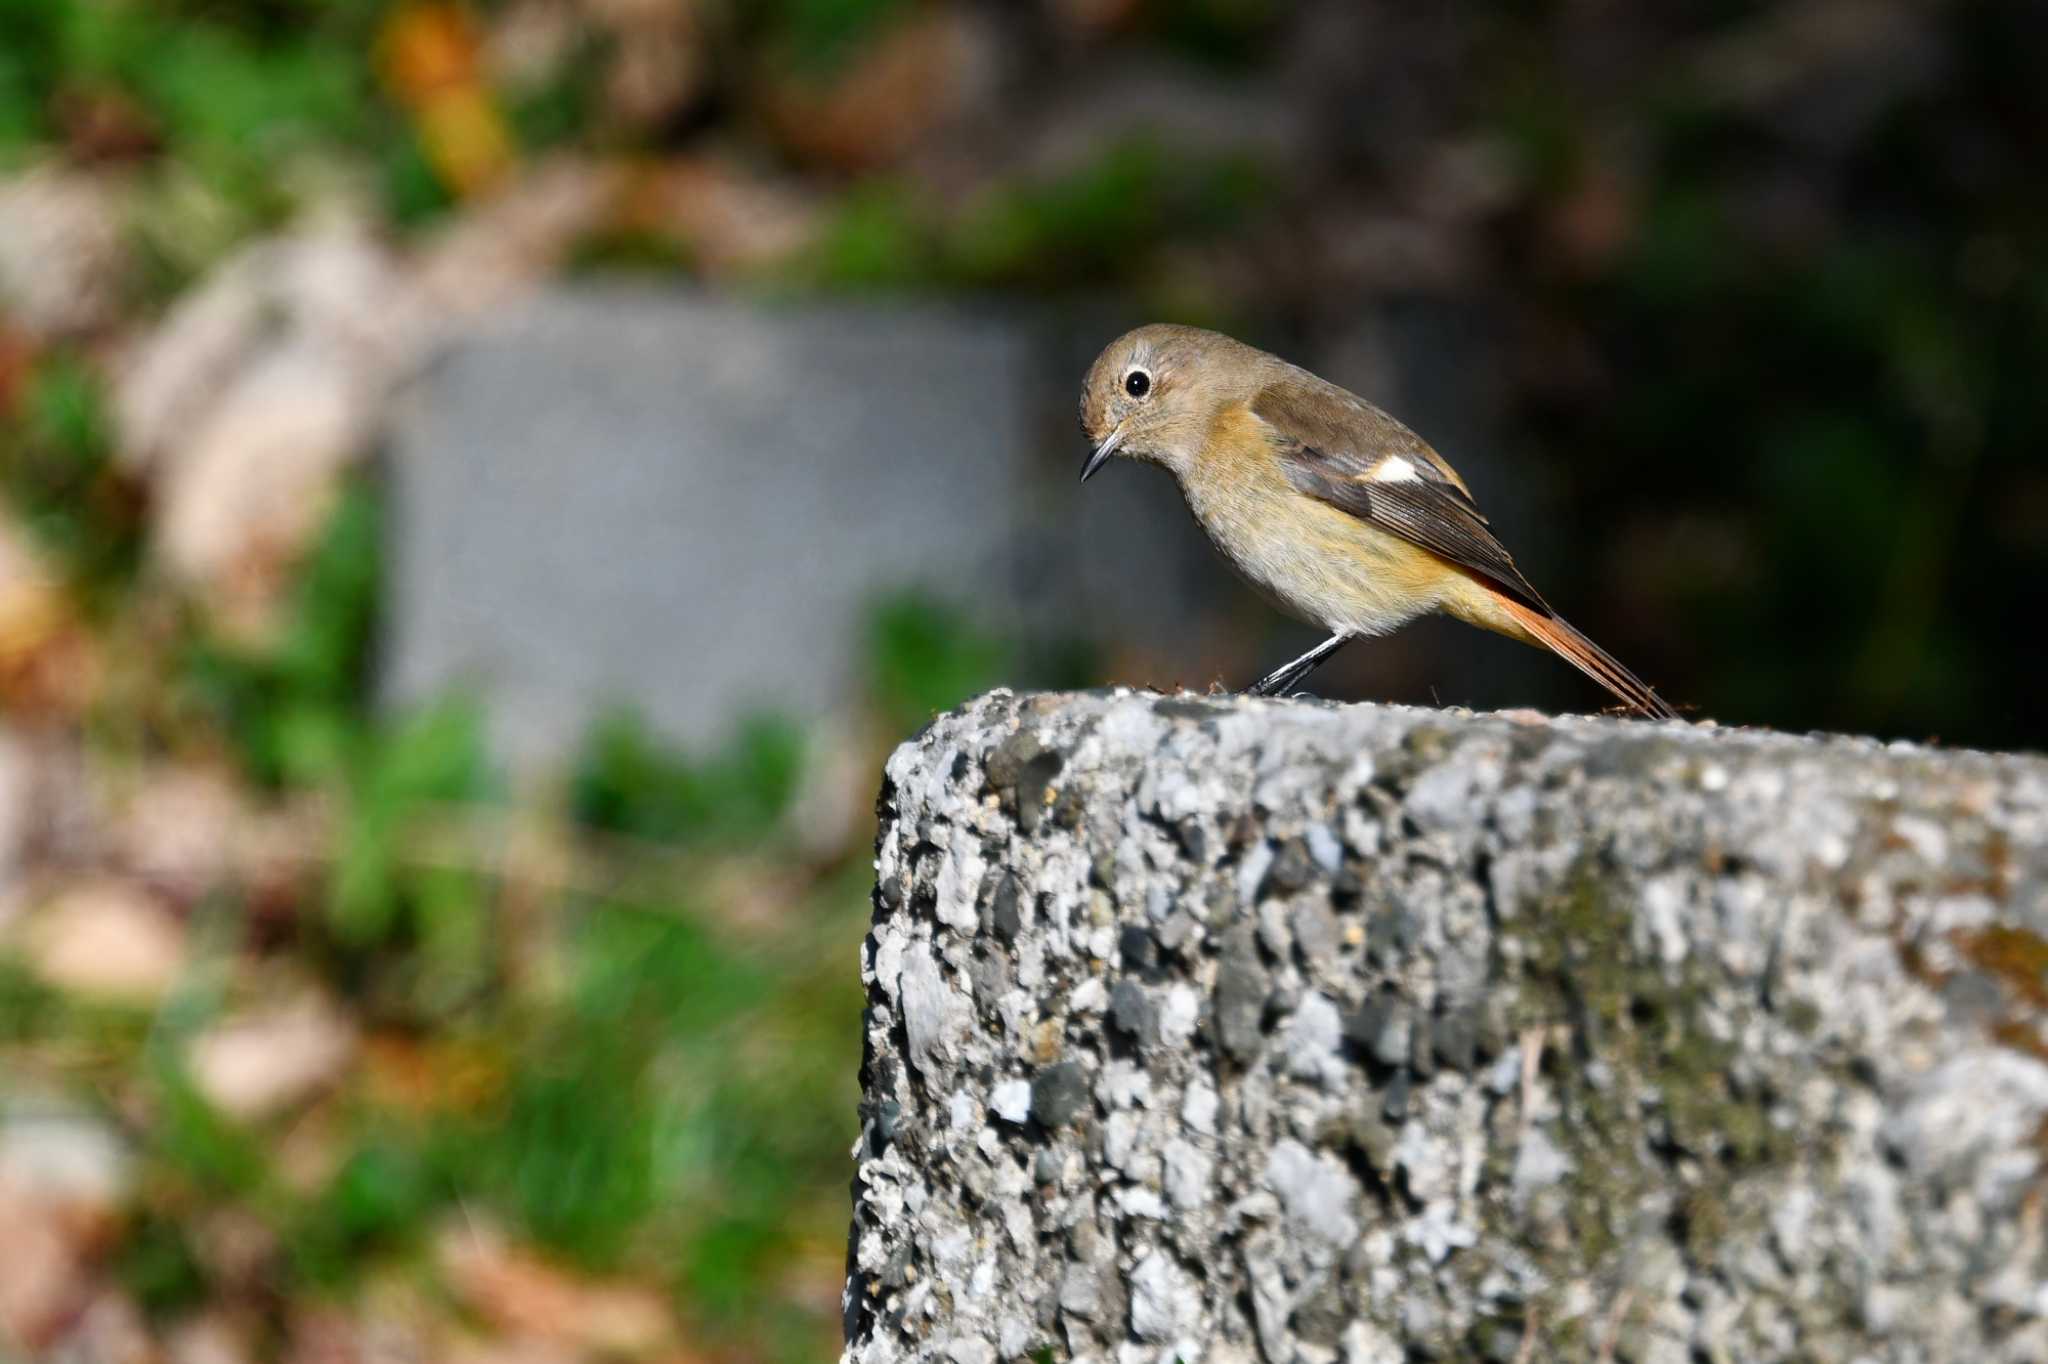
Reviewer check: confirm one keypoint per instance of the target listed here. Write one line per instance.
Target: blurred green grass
(652, 1089)
(56, 467)
(630, 1074)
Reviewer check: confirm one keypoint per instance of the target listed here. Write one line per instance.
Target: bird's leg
(1285, 676)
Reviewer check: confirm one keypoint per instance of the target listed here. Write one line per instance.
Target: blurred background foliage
(346, 1041)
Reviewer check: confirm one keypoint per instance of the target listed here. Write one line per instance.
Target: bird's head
(1154, 392)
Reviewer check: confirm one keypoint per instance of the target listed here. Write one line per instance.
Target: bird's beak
(1102, 453)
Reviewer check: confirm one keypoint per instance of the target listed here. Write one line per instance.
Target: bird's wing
(1364, 463)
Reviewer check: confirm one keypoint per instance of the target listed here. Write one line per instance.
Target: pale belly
(1332, 570)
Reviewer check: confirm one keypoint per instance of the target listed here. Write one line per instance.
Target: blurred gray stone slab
(687, 504)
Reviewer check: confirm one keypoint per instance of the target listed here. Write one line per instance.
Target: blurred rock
(692, 505)
(110, 939)
(64, 260)
(260, 1063)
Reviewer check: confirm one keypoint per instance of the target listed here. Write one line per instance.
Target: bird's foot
(1283, 678)
(1276, 682)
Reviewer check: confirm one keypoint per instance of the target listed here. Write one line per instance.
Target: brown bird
(1333, 510)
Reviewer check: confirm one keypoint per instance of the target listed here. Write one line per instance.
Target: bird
(1330, 508)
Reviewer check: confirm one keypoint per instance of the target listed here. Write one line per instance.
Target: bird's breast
(1311, 560)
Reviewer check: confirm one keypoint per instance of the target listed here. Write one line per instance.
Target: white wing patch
(1395, 469)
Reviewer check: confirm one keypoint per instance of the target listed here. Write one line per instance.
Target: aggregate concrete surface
(1219, 1029)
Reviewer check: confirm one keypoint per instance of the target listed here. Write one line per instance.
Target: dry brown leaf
(64, 257)
(522, 1294)
(437, 1076)
(48, 1269)
(109, 1331)
(428, 48)
(660, 58)
(509, 243)
(909, 80)
(181, 828)
(731, 219)
(107, 938)
(262, 1062)
(213, 1337)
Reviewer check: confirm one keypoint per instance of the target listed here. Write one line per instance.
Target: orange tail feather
(1557, 635)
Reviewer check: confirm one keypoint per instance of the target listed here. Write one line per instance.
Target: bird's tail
(1559, 636)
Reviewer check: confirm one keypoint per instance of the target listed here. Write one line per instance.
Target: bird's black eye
(1137, 383)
